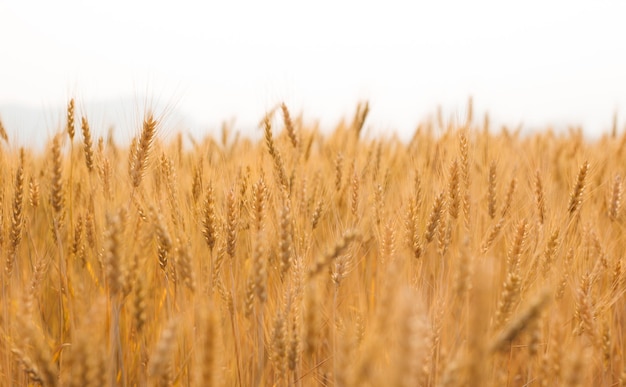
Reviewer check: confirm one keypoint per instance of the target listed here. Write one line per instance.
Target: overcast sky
(536, 62)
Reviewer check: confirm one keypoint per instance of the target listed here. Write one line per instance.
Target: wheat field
(467, 256)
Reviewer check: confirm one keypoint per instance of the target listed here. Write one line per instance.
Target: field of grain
(469, 256)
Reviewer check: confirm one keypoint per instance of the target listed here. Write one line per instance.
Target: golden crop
(465, 257)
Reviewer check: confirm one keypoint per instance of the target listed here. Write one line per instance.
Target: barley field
(467, 256)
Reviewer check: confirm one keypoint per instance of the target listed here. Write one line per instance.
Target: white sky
(537, 62)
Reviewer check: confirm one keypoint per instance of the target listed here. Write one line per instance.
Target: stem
(71, 188)
(334, 330)
(117, 353)
(261, 347)
(233, 324)
(63, 284)
(6, 296)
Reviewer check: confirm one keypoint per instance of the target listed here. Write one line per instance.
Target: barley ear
(491, 190)
(3, 133)
(524, 320)
(232, 225)
(56, 189)
(70, 119)
(435, 217)
(291, 132)
(539, 198)
(160, 366)
(140, 153)
(87, 144)
(616, 198)
(17, 215)
(361, 114)
(209, 219)
(576, 195)
(454, 190)
(208, 355)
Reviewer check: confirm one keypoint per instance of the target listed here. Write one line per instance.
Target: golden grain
(3, 133)
(140, 153)
(575, 199)
(491, 189)
(199, 269)
(87, 144)
(70, 119)
(17, 215)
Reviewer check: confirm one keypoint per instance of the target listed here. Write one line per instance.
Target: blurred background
(532, 63)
